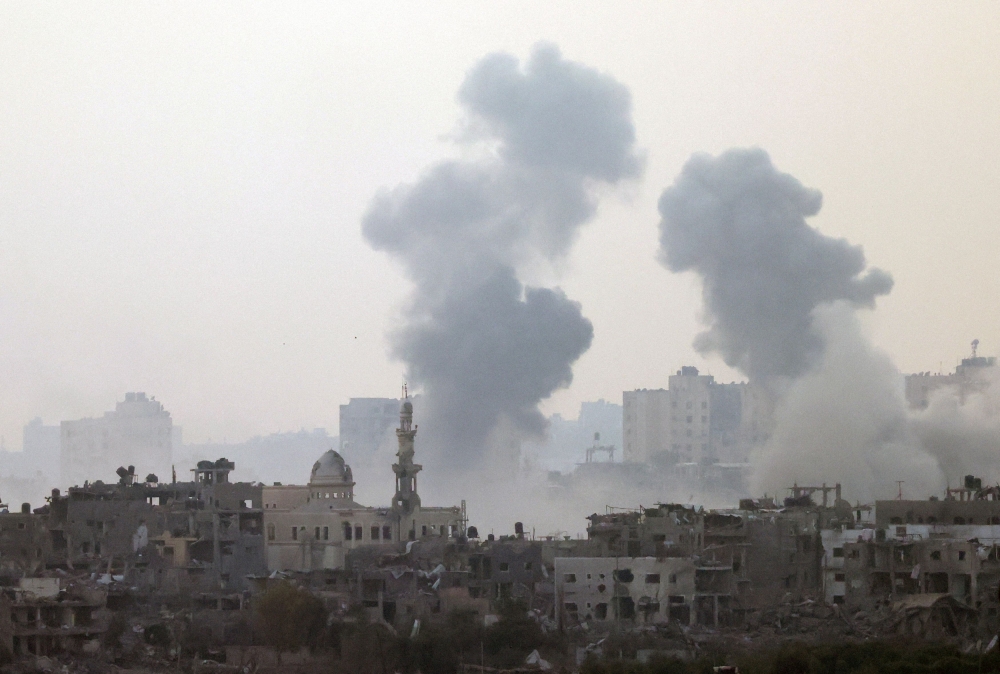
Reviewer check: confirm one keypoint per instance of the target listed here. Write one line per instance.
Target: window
(326, 533)
(569, 577)
(839, 577)
(317, 533)
(961, 555)
(838, 552)
(673, 578)
(936, 554)
(601, 611)
(838, 599)
(504, 566)
(652, 579)
(357, 532)
(295, 533)
(571, 606)
(527, 566)
(247, 503)
(423, 530)
(444, 530)
(348, 531)
(375, 533)
(386, 533)
(270, 532)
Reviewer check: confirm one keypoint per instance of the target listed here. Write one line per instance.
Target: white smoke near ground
(845, 421)
(961, 428)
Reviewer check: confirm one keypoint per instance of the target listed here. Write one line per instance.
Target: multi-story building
(139, 432)
(365, 423)
(970, 376)
(695, 420)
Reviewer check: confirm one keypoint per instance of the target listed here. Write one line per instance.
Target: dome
(331, 469)
(407, 408)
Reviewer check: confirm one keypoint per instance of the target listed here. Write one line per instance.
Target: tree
(289, 617)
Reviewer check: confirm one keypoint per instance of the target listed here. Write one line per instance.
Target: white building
(694, 421)
(138, 433)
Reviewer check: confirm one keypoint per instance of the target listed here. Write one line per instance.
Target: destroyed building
(39, 618)
(204, 533)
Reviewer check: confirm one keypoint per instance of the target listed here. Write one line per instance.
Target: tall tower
(406, 500)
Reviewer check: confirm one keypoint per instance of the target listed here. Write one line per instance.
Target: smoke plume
(740, 224)
(780, 301)
(485, 348)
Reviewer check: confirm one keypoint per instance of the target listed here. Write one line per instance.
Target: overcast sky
(182, 185)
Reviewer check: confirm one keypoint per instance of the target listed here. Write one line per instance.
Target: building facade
(696, 420)
(139, 433)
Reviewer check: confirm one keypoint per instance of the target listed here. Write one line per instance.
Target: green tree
(289, 617)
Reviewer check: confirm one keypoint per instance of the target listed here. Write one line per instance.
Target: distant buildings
(695, 420)
(139, 432)
(276, 457)
(365, 423)
(568, 441)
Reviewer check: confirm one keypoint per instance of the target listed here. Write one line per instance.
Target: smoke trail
(485, 348)
(780, 300)
(740, 224)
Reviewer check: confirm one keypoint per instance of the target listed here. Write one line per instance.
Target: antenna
(975, 345)
(899, 483)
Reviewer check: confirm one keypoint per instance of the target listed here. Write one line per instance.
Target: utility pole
(899, 484)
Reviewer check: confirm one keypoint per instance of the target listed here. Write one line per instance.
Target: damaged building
(179, 535)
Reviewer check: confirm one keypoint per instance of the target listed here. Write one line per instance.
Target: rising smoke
(780, 302)
(740, 224)
(485, 348)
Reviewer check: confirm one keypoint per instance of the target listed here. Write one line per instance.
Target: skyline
(181, 206)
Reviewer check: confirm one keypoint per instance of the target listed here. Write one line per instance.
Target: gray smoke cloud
(485, 348)
(740, 224)
(781, 301)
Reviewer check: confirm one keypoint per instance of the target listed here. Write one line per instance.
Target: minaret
(406, 500)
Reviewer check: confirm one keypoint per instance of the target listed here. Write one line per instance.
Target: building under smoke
(971, 376)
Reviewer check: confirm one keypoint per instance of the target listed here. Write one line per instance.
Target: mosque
(313, 527)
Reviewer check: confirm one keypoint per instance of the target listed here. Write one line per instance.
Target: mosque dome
(407, 407)
(332, 470)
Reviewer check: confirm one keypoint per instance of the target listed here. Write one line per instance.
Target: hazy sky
(182, 185)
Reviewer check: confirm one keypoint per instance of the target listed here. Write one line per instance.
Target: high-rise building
(694, 420)
(365, 423)
(138, 433)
